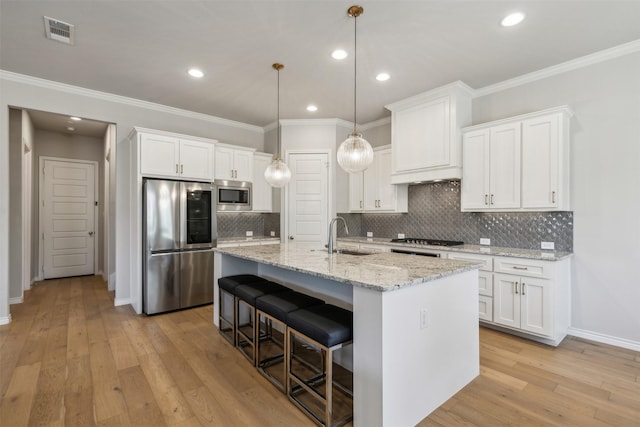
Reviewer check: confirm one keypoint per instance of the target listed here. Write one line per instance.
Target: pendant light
(355, 153)
(277, 173)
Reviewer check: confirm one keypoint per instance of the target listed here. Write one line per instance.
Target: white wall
(605, 186)
(30, 93)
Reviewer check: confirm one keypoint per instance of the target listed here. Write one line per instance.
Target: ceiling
(142, 49)
(61, 124)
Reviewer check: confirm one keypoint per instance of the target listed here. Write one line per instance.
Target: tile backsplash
(434, 212)
(236, 224)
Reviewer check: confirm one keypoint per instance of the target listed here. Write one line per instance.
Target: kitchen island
(415, 321)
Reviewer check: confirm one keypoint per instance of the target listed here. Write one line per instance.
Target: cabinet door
(356, 192)
(504, 166)
(243, 165)
(159, 155)
(196, 160)
(485, 308)
(370, 177)
(386, 190)
(540, 145)
(421, 136)
(506, 300)
(475, 170)
(536, 313)
(224, 163)
(262, 191)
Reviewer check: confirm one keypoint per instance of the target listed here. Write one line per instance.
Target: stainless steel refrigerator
(179, 226)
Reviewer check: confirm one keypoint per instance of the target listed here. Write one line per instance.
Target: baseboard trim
(5, 320)
(16, 300)
(604, 339)
(121, 301)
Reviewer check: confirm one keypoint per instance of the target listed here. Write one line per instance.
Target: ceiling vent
(59, 31)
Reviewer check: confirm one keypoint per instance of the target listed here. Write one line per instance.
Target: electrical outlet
(369, 233)
(547, 246)
(400, 235)
(485, 241)
(272, 234)
(424, 318)
(249, 233)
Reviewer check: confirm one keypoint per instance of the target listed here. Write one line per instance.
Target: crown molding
(374, 124)
(104, 96)
(574, 64)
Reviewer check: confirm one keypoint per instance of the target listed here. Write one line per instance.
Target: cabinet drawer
(487, 260)
(485, 283)
(523, 267)
(485, 308)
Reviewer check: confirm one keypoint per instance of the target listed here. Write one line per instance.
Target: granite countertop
(247, 239)
(380, 271)
(472, 249)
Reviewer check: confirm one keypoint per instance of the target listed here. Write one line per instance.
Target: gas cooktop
(433, 242)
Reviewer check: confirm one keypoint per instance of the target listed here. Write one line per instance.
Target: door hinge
(96, 203)
(42, 236)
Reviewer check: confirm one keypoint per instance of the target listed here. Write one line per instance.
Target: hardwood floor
(71, 358)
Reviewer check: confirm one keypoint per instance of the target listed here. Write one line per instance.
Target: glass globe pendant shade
(277, 173)
(355, 154)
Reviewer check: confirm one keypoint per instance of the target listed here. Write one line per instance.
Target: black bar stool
(246, 330)
(323, 391)
(271, 315)
(226, 292)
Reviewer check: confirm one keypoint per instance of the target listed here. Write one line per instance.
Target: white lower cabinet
(524, 302)
(485, 282)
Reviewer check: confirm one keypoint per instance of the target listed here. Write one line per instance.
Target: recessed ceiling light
(512, 19)
(194, 72)
(339, 54)
(70, 128)
(312, 108)
(382, 77)
(76, 119)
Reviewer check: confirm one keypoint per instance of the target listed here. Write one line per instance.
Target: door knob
(91, 233)
(290, 237)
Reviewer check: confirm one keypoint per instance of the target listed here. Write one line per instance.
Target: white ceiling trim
(374, 124)
(574, 64)
(63, 87)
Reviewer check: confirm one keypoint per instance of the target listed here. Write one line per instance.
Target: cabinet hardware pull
(486, 199)
(516, 267)
(492, 199)
(516, 286)
(181, 169)
(522, 288)
(553, 197)
(176, 168)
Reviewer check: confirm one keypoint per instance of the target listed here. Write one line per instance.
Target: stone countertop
(472, 249)
(380, 271)
(247, 239)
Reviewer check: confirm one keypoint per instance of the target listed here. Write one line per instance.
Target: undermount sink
(350, 252)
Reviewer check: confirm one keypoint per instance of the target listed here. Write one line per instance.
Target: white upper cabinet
(372, 191)
(172, 156)
(517, 164)
(425, 134)
(262, 191)
(234, 163)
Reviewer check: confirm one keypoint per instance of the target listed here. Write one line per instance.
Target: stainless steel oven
(233, 195)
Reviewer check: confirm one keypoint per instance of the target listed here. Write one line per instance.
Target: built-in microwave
(233, 195)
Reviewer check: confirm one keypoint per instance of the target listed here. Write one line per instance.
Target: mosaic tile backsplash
(237, 223)
(434, 212)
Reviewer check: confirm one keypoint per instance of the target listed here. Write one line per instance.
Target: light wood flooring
(71, 358)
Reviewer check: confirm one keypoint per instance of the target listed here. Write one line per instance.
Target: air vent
(59, 31)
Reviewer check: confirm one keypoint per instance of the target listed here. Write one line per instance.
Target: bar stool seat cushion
(249, 292)
(280, 304)
(230, 283)
(327, 324)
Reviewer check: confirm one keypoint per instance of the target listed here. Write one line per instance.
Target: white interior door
(67, 217)
(308, 197)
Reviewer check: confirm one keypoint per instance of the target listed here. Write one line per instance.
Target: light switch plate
(249, 233)
(400, 235)
(272, 234)
(550, 246)
(485, 241)
(369, 233)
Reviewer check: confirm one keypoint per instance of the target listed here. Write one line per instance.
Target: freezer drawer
(161, 291)
(196, 273)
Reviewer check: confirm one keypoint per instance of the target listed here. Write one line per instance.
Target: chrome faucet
(330, 241)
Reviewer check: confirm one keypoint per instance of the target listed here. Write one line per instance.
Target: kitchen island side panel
(402, 370)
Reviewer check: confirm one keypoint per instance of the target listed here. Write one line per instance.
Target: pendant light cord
(278, 98)
(355, 72)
